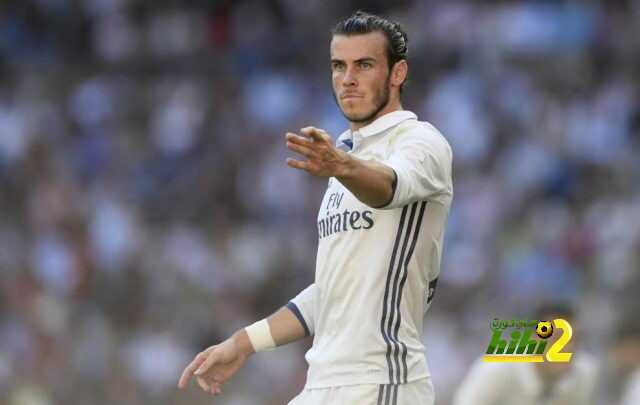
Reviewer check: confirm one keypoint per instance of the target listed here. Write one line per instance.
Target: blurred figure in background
(546, 383)
(625, 361)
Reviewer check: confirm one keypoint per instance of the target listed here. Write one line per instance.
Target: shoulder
(634, 379)
(586, 360)
(632, 385)
(585, 365)
(420, 133)
(495, 370)
(631, 392)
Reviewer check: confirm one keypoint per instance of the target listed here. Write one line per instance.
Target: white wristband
(260, 336)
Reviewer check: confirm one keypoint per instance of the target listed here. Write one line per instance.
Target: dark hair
(628, 329)
(364, 23)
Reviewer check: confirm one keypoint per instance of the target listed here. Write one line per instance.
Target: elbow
(389, 191)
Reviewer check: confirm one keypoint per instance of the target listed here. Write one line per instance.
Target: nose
(349, 79)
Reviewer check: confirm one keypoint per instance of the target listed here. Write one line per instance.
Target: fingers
(211, 359)
(318, 135)
(200, 365)
(203, 384)
(317, 149)
(297, 164)
(297, 139)
(189, 370)
(212, 387)
(303, 150)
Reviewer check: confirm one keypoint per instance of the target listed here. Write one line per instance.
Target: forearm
(370, 181)
(283, 325)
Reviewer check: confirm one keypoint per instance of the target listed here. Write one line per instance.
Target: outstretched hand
(323, 158)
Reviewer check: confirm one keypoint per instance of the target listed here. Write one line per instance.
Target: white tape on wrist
(260, 336)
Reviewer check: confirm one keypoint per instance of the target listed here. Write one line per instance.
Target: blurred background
(146, 210)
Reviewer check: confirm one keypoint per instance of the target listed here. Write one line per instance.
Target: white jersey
(376, 269)
(520, 383)
(631, 394)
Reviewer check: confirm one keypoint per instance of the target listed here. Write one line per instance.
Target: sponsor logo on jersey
(345, 221)
(335, 221)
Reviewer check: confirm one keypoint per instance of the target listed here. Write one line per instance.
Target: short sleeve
(422, 161)
(303, 307)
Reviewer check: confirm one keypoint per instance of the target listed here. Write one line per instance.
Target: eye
(366, 65)
(337, 66)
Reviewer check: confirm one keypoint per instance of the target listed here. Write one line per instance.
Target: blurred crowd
(147, 211)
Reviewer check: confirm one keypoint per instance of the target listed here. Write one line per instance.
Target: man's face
(360, 75)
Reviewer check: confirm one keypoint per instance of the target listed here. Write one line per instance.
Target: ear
(399, 73)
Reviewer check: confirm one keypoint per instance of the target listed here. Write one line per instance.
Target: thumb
(210, 361)
(315, 133)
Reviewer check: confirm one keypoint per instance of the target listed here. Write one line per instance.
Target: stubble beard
(380, 101)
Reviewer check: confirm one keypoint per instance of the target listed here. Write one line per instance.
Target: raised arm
(418, 167)
(370, 181)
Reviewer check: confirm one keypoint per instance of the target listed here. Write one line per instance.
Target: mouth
(350, 96)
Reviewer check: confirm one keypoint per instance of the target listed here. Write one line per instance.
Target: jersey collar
(381, 124)
(386, 121)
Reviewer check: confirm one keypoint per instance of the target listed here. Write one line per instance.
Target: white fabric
(416, 393)
(260, 336)
(631, 395)
(418, 163)
(305, 301)
(520, 383)
(357, 283)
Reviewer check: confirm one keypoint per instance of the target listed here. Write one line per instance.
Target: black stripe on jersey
(380, 393)
(405, 272)
(395, 294)
(386, 290)
(294, 308)
(388, 396)
(395, 394)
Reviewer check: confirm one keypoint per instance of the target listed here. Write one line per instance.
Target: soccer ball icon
(544, 329)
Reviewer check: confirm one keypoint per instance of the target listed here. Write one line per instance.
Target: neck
(390, 107)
